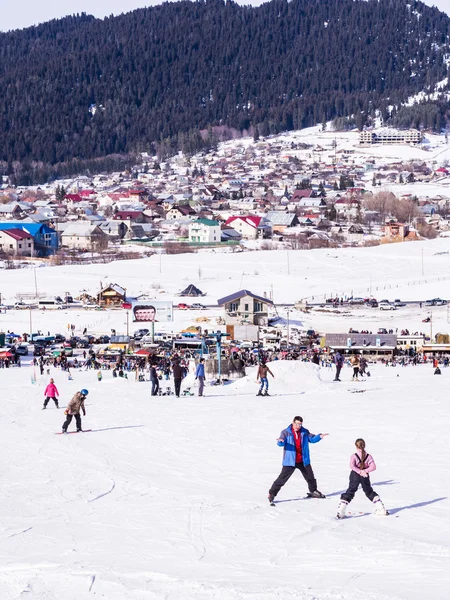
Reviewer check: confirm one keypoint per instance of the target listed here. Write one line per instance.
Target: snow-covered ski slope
(167, 498)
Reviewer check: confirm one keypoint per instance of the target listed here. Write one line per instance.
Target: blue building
(45, 238)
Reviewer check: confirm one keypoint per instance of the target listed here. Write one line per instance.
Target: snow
(167, 497)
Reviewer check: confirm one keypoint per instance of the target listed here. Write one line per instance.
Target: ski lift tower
(217, 336)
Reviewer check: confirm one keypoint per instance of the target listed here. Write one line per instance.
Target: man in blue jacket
(295, 440)
(200, 375)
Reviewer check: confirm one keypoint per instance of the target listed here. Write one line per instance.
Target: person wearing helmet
(73, 410)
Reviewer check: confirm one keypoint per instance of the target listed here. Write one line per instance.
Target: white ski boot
(342, 507)
(380, 509)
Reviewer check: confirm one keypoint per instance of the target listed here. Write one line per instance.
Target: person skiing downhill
(51, 393)
(73, 410)
(263, 369)
(295, 440)
(361, 464)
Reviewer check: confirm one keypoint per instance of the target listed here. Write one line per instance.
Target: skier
(51, 393)
(99, 375)
(295, 440)
(339, 362)
(361, 464)
(73, 410)
(263, 369)
(200, 375)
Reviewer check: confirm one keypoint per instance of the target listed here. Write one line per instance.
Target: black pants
(47, 400)
(353, 486)
(338, 372)
(355, 372)
(69, 420)
(155, 387)
(177, 384)
(286, 472)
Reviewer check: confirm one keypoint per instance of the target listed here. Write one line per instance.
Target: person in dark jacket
(295, 440)
(339, 362)
(177, 371)
(154, 379)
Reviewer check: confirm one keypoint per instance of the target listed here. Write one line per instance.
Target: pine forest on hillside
(83, 93)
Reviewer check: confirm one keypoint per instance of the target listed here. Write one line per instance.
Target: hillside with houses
(306, 189)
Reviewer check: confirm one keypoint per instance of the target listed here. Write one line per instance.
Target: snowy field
(410, 271)
(167, 498)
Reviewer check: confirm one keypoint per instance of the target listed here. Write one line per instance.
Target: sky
(24, 13)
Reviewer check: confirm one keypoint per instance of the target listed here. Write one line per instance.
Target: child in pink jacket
(51, 393)
(361, 464)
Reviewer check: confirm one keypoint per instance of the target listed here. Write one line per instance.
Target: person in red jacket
(51, 393)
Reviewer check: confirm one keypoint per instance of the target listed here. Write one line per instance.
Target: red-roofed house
(135, 216)
(251, 227)
(16, 241)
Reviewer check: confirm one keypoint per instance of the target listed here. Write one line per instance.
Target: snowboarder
(295, 440)
(354, 361)
(361, 464)
(51, 393)
(200, 375)
(73, 410)
(263, 369)
(339, 362)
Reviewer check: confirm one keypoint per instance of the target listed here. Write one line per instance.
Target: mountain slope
(82, 87)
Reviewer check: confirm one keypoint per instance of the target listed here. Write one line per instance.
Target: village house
(45, 238)
(112, 295)
(398, 232)
(251, 227)
(204, 231)
(247, 307)
(281, 220)
(180, 212)
(84, 236)
(16, 242)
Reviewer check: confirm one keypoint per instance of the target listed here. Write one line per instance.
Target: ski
(70, 432)
(309, 495)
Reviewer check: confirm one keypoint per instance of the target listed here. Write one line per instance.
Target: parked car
(38, 350)
(398, 303)
(387, 306)
(103, 339)
(22, 349)
(198, 306)
(356, 300)
(59, 339)
(382, 331)
(372, 303)
(183, 306)
(126, 305)
(439, 302)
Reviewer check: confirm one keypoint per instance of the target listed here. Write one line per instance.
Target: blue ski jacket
(200, 370)
(288, 443)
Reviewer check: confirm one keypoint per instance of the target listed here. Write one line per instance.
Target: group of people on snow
(295, 440)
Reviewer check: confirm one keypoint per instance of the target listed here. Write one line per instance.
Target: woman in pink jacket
(51, 393)
(361, 464)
